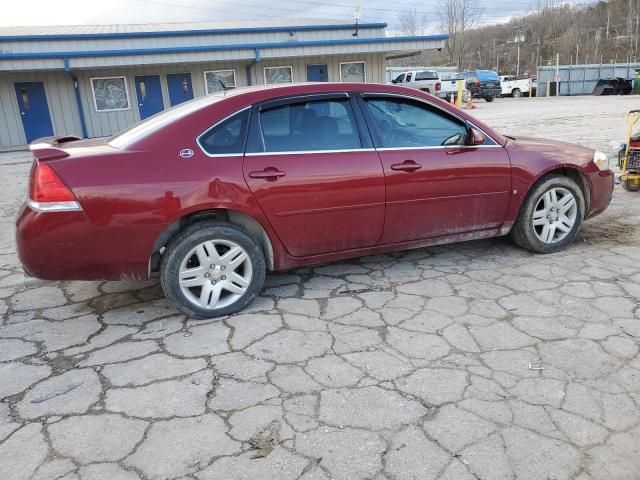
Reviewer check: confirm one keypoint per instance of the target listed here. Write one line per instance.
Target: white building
(94, 81)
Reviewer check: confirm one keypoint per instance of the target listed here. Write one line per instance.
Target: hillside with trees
(603, 32)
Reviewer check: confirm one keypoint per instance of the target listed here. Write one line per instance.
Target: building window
(274, 75)
(110, 93)
(215, 80)
(352, 72)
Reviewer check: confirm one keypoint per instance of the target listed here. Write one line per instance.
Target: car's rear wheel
(516, 93)
(489, 99)
(551, 215)
(212, 269)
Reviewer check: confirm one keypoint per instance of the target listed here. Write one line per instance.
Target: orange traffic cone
(470, 104)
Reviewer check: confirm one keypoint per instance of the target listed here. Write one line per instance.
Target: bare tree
(409, 22)
(457, 18)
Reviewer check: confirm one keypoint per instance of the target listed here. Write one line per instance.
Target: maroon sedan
(215, 192)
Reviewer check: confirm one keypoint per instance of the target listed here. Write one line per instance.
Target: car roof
(230, 101)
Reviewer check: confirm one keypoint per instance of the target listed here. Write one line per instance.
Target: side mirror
(476, 137)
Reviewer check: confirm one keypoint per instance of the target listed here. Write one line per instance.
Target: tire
(516, 93)
(558, 233)
(489, 99)
(186, 253)
(631, 185)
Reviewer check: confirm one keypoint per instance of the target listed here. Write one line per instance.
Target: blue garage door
(179, 85)
(32, 103)
(149, 95)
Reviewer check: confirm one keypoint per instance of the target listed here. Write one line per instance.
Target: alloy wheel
(215, 274)
(554, 215)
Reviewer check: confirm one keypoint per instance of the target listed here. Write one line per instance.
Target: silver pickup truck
(429, 81)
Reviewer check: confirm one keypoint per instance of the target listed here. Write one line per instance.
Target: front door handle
(270, 174)
(406, 166)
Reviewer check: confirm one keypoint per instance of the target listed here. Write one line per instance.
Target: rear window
(160, 120)
(487, 75)
(426, 75)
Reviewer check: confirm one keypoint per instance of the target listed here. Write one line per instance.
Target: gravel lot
(474, 360)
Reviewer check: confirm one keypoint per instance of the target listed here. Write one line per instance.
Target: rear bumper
(67, 246)
(483, 92)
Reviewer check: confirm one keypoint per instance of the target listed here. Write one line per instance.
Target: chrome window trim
(71, 206)
(301, 152)
(421, 100)
(437, 147)
(218, 155)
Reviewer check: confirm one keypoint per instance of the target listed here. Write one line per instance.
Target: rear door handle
(406, 166)
(269, 173)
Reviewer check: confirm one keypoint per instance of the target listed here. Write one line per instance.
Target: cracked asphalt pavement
(469, 361)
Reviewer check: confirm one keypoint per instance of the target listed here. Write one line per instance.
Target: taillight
(48, 192)
(438, 86)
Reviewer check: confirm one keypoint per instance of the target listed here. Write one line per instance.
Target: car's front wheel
(212, 269)
(516, 93)
(489, 99)
(551, 215)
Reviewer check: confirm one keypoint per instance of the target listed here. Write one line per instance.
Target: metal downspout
(253, 62)
(76, 89)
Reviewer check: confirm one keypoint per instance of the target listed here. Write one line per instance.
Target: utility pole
(518, 29)
(557, 74)
(635, 50)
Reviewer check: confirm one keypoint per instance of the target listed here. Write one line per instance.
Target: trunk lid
(59, 147)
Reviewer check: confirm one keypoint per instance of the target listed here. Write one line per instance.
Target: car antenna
(224, 87)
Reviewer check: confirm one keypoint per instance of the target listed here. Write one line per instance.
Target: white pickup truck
(512, 87)
(429, 81)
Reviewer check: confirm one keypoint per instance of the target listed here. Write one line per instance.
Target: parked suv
(481, 83)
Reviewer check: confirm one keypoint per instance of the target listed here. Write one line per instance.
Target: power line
(423, 14)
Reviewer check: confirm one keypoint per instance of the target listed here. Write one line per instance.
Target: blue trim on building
(184, 33)
(215, 48)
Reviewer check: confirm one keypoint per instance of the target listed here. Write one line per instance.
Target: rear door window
(309, 126)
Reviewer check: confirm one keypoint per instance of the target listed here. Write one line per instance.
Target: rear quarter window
(227, 137)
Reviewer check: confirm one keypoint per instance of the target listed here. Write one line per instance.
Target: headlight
(601, 160)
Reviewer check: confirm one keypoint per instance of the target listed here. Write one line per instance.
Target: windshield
(140, 130)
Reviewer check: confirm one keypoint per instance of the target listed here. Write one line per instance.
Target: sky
(90, 12)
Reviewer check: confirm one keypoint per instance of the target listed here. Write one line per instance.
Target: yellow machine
(629, 156)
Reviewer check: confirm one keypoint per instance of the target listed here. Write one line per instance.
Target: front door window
(404, 124)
